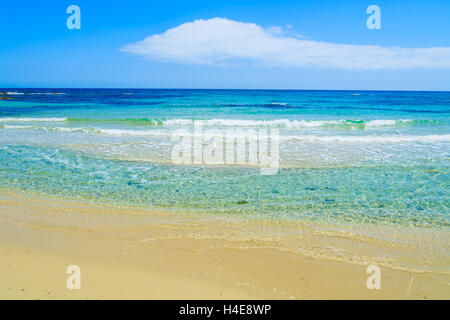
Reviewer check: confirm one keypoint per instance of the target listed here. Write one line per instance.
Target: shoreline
(138, 254)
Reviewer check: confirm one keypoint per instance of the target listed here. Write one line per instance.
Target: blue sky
(38, 50)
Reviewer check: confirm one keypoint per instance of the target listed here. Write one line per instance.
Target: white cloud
(220, 41)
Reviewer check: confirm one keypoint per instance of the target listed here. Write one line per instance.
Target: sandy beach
(137, 254)
(225, 150)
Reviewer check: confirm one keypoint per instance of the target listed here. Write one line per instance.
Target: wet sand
(141, 254)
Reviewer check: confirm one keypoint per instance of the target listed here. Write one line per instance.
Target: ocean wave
(45, 93)
(286, 123)
(12, 93)
(276, 123)
(392, 138)
(16, 127)
(371, 139)
(33, 119)
(113, 132)
(31, 93)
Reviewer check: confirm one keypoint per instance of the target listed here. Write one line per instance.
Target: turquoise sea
(359, 157)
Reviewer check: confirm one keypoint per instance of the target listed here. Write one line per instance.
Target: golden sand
(139, 254)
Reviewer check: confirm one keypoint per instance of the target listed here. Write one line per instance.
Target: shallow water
(346, 157)
(363, 176)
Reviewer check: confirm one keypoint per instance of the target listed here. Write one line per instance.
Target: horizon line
(236, 89)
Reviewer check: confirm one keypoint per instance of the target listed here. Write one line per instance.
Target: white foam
(283, 123)
(33, 119)
(371, 139)
(277, 123)
(382, 123)
(112, 132)
(45, 93)
(17, 127)
(249, 123)
(14, 93)
(121, 132)
(178, 122)
(302, 138)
